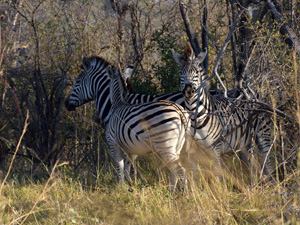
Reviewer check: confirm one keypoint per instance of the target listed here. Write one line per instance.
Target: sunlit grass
(61, 200)
(66, 198)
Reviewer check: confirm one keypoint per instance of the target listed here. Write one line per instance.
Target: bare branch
(228, 38)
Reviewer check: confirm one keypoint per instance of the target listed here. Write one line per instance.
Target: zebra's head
(118, 86)
(95, 70)
(192, 72)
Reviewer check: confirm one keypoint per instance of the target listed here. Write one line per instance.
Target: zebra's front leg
(217, 163)
(118, 157)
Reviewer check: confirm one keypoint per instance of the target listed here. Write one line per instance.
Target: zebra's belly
(139, 148)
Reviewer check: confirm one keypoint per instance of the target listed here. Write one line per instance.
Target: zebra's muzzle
(69, 105)
(188, 92)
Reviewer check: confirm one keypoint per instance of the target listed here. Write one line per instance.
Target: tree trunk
(189, 29)
(290, 36)
(205, 33)
(120, 8)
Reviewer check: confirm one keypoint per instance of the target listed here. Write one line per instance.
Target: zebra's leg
(127, 167)
(247, 156)
(130, 161)
(192, 148)
(118, 157)
(181, 173)
(263, 141)
(264, 148)
(215, 154)
(178, 173)
(171, 160)
(174, 180)
(134, 167)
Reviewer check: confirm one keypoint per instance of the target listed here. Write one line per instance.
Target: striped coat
(219, 125)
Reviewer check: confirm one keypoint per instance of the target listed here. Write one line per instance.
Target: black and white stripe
(220, 125)
(99, 90)
(157, 127)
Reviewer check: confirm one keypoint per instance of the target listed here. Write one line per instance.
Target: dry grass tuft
(61, 200)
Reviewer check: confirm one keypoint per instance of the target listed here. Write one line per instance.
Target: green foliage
(145, 86)
(167, 70)
(163, 77)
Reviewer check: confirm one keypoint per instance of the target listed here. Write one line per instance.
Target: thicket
(42, 44)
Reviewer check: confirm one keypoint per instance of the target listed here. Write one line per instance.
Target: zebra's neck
(204, 106)
(117, 94)
(101, 83)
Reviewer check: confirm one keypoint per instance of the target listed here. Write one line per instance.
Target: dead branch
(228, 38)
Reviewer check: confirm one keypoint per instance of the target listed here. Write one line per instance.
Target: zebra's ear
(127, 72)
(177, 57)
(116, 72)
(86, 64)
(201, 56)
(110, 72)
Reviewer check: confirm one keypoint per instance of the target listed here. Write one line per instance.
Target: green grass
(61, 200)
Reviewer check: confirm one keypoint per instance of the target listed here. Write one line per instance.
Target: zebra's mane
(99, 59)
(93, 61)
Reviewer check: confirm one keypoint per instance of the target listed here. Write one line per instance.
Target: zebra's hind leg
(178, 173)
(264, 146)
(130, 161)
(263, 140)
(119, 159)
(174, 180)
(247, 156)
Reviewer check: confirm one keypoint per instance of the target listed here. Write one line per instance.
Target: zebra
(155, 127)
(220, 126)
(99, 90)
(161, 131)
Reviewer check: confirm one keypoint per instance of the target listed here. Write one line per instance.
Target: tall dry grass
(62, 200)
